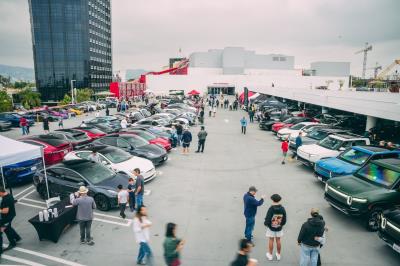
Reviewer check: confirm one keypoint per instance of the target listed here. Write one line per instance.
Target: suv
(389, 230)
(350, 161)
(369, 191)
(330, 146)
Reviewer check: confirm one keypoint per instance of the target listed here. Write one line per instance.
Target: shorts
(271, 233)
(185, 145)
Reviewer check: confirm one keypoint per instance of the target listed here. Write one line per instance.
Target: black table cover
(53, 228)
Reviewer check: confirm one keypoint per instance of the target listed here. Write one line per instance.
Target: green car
(372, 189)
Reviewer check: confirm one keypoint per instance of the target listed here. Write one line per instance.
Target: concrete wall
(333, 69)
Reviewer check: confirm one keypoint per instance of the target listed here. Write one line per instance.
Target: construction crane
(384, 72)
(365, 51)
(376, 68)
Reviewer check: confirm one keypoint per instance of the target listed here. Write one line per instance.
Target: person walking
(309, 247)
(131, 191)
(284, 148)
(60, 122)
(243, 123)
(141, 228)
(179, 131)
(214, 110)
(201, 116)
(251, 115)
(299, 142)
(83, 124)
(186, 140)
(202, 135)
(172, 246)
(242, 257)
(46, 127)
(7, 211)
(274, 221)
(210, 109)
(123, 197)
(23, 123)
(139, 187)
(250, 211)
(107, 111)
(84, 214)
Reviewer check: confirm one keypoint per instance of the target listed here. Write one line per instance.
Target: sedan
(66, 178)
(135, 145)
(14, 118)
(118, 160)
(92, 132)
(77, 138)
(289, 122)
(109, 121)
(151, 138)
(54, 149)
(5, 125)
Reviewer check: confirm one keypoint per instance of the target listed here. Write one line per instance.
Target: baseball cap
(253, 188)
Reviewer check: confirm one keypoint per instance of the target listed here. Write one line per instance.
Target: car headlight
(112, 192)
(326, 187)
(359, 200)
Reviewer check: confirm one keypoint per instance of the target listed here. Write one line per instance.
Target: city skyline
(310, 31)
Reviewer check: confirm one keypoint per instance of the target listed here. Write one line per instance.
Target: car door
(70, 181)
(55, 181)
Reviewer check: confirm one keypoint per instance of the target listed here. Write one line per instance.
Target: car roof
(372, 149)
(391, 163)
(52, 141)
(347, 136)
(72, 163)
(331, 129)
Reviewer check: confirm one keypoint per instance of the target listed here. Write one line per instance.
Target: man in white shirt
(124, 123)
(94, 157)
(123, 197)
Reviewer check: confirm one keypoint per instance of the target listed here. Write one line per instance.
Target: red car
(92, 132)
(289, 122)
(54, 149)
(152, 139)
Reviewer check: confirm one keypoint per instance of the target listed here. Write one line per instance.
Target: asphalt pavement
(203, 193)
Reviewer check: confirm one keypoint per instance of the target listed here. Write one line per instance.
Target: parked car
(14, 118)
(54, 149)
(103, 127)
(135, 116)
(182, 106)
(153, 122)
(66, 178)
(76, 111)
(109, 121)
(368, 192)
(350, 161)
(151, 138)
(289, 122)
(354, 123)
(118, 160)
(146, 113)
(325, 119)
(40, 115)
(294, 130)
(330, 146)
(5, 125)
(91, 132)
(389, 229)
(78, 139)
(21, 173)
(135, 145)
(266, 124)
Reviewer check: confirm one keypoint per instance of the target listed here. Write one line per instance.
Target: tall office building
(71, 42)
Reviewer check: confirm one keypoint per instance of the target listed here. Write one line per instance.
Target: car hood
(113, 182)
(151, 148)
(354, 186)
(315, 149)
(135, 162)
(338, 166)
(286, 131)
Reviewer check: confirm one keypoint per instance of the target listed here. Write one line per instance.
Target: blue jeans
(308, 255)
(139, 201)
(248, 231)
(144, 250)
(24, 130)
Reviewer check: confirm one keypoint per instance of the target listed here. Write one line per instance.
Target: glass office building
(71, 42)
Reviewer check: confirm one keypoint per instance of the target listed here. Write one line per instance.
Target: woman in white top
(141, 225)
(124, 123)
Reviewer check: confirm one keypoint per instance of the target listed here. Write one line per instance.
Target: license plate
(33, 168)
(396, 247)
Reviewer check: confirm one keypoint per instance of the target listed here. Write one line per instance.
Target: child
(274, 221)
(123, 197)
(285, 148)
(60, 122)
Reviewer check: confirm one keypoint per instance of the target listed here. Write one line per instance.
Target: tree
(5, 102)
(66, 100)
(83, 95)
(29, 98)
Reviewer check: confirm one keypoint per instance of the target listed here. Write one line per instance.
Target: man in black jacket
(313, 227)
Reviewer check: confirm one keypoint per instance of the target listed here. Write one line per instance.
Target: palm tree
(29, 98)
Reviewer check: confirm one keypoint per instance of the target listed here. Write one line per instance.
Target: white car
(118, 160)
(287, 132)
(331, 146)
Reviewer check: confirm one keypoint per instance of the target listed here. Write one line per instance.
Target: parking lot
(202, 193)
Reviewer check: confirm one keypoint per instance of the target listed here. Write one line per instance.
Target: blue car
(14, 118)
(22, 172)
(350, 160)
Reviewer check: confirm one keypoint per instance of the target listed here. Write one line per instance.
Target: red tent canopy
(193, 92)
(241, 96)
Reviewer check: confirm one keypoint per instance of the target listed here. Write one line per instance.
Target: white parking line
(112, 222)
(31, 205)
(20, 193)
(108, 216)
(27, 194)
(147, 192)
(24, 262)
(32, 200)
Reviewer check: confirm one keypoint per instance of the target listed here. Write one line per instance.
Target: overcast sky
(146, 33)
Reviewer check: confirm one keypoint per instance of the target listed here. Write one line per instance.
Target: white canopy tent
(12, 152)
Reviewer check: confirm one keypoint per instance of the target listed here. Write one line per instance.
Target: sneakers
(269, 256)
(90, 243)
(83, 242)
(278, 256)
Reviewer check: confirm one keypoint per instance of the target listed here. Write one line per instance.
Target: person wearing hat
(311, 230)
(250, 211)
(84, 214)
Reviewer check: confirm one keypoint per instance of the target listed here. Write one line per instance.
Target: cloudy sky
(147, 33)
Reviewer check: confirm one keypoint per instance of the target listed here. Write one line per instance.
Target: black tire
(41, 189)
(102, 202)
(373, 219)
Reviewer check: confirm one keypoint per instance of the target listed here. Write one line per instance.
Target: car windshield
(330, 143)
(116, 155)
(297, 126)
(289, 120)
(94, 172)
(378, 175)
(80, 136)
(354, 156)
(136, 141)
(317, 135)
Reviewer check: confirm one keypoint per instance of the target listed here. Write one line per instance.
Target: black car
(354, 123)
(389, 229)
(105, 128)
(66, 178)
(109, 121)
(135, 145)
(266, 124)
(78, 139)
(5, 125)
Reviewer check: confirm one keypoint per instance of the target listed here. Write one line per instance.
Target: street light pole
(72, 91)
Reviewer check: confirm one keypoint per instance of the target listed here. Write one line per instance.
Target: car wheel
(373, 219)
(102, 202)
(41, 189)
